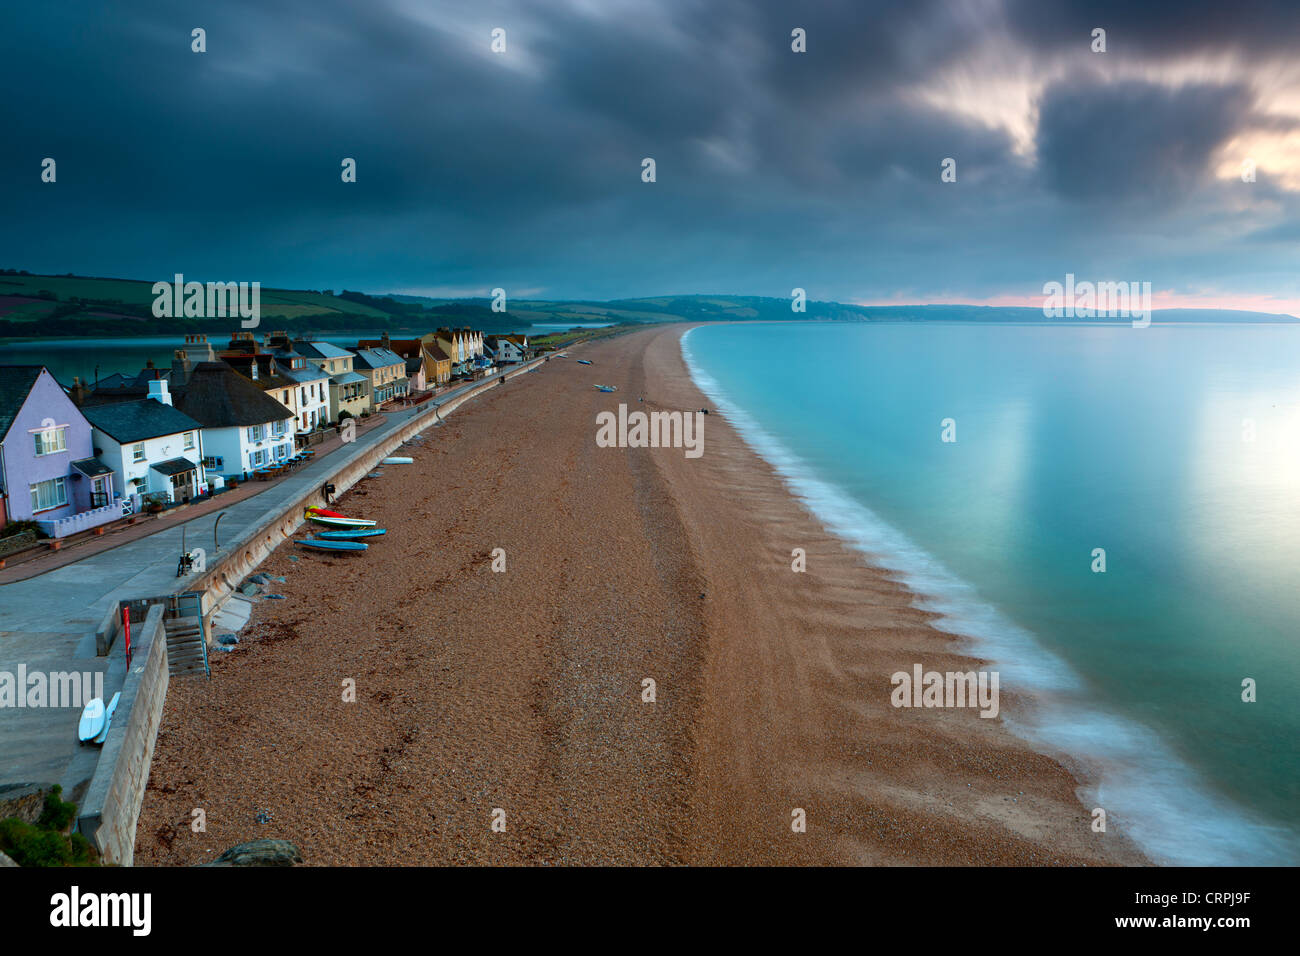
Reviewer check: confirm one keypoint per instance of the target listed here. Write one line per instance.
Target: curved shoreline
(523, 691)
(1122, 765)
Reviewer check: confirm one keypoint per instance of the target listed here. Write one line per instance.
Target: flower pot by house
(55, 544)
(99, 531)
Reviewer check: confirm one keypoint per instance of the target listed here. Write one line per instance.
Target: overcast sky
(775, 169)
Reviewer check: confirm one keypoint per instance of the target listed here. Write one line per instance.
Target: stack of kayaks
(345, 531)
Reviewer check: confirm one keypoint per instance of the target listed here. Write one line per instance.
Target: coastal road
(47, 621)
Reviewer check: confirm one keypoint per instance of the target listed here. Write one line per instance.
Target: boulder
(6, 861)
(259, 853)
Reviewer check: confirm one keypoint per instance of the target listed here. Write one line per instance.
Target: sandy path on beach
(522, 690)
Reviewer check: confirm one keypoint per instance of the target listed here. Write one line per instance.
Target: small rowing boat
(352, 533)
(313, 510)
(321, 545)
(335, 520)
(605, 388)
(342, 522)
(583, 362)
(398, 460)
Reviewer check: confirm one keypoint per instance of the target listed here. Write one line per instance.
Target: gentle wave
(1147, 790)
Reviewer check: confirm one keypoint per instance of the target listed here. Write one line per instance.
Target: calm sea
(1176, 449)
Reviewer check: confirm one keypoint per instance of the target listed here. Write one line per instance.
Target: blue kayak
(349, 535)
(332, 545)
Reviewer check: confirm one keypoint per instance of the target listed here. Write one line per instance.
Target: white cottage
(243, 428)
(153, 448)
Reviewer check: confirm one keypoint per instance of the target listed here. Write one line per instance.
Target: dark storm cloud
(1165, 27)
(774, 168)
(1124, 141)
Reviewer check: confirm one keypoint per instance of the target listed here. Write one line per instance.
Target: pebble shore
(517, 695)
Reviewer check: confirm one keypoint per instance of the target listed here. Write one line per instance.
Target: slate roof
(323, 350)
(348, 378)
(216, 396)
(117, 388)
(377, 358)
(303, 376)
(135, 421)
(16, 383)
(92, 467)
(174, 466)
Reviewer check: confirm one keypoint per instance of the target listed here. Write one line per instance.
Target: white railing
(84, 521)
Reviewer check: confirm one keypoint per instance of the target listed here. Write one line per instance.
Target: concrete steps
(187, 651)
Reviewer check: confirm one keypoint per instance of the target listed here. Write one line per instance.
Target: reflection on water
(1069, 439)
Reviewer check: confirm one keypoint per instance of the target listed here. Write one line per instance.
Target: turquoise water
(1071, 438)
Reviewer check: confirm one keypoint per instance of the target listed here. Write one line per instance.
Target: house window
(49, 494)
(51, 440)
(277, 428)
(137, 452)
(258, 458)
(214, 462)
(255, 433)
(189, 440)
(99, 492)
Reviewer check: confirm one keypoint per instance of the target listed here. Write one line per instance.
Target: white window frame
(59, 485)
(188, 441)
(43, 438)
(138, 452)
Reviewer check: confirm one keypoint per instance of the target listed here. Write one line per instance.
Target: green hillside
(47, 305)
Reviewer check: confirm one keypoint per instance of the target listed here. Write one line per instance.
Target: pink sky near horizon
(1159, 300)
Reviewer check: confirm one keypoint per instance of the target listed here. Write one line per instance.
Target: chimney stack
(158, 391)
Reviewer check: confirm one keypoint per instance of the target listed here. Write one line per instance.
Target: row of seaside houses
(76, 458)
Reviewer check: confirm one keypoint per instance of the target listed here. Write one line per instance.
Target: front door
(182, 485)
(99, 492)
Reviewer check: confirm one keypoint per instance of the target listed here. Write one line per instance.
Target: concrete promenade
(47, 622)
